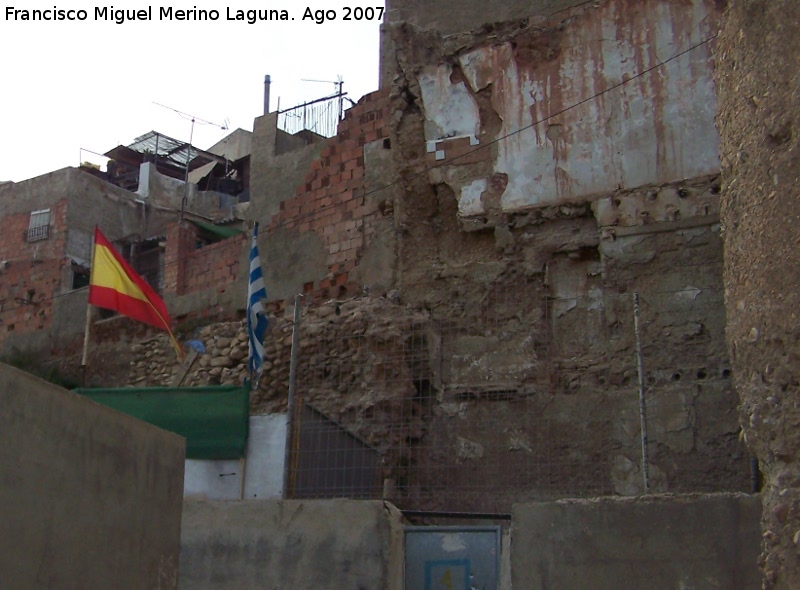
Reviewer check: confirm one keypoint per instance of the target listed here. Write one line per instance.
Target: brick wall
(331, 201)
(30, 272)
(188, 269)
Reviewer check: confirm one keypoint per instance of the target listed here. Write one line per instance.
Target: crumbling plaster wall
(544, 181)
(555, 143)
(500, 346)
(758, 116)
(455, 16)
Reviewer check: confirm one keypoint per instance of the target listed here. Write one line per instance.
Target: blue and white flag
(256, 314)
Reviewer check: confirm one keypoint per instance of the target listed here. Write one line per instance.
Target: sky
(70, 88)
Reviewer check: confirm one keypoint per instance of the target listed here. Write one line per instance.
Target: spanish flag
(113, 284)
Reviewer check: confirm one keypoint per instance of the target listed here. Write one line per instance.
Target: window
(39, 226)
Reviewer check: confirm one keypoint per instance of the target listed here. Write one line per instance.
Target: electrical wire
(466, 154)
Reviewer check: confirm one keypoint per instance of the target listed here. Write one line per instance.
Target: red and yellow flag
(113, 284)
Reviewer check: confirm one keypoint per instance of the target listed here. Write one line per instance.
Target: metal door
(452, 558)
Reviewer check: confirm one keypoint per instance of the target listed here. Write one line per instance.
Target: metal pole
(267, 83)
(642, 402)
(341, 101)
(185, 198)
(289, 451)
(88, 326)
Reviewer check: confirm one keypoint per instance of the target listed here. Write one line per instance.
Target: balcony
(34, 234)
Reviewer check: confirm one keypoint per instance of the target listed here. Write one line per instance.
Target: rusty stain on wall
(556, 148)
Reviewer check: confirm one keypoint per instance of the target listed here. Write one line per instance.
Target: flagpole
(289, 453)
(85, 356)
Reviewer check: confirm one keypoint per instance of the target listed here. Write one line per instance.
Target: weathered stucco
(703, 542)
(571, 127)
(277, 544)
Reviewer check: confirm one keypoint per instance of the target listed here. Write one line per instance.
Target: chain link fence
(530, 393)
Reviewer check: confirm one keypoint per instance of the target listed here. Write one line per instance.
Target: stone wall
(758, 117)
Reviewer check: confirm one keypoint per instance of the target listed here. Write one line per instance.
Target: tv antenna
(194, 119)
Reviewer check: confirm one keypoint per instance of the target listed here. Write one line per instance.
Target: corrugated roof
(167, 149)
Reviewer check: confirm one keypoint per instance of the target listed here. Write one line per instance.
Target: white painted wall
(260, 475)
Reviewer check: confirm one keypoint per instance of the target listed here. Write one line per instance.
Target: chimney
(267, 82)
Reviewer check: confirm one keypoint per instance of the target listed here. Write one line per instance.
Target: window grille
(39, 226)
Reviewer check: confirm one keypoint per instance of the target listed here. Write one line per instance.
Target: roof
(166, 149)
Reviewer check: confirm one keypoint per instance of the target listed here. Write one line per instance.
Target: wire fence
(521, 396)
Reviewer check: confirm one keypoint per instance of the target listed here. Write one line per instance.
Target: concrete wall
(91, 498)
(274, 175)
(702, 542)
(336, 217)
(237, 144)
(166, 192)
(290, 544)
(455, 16)
(652, 543)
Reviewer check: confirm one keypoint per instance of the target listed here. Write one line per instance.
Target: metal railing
(320, 116)
(34, 234)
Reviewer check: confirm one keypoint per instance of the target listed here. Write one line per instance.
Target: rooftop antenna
(194, 119)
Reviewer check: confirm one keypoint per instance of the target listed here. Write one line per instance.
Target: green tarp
(220, 231)
(213, 420)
